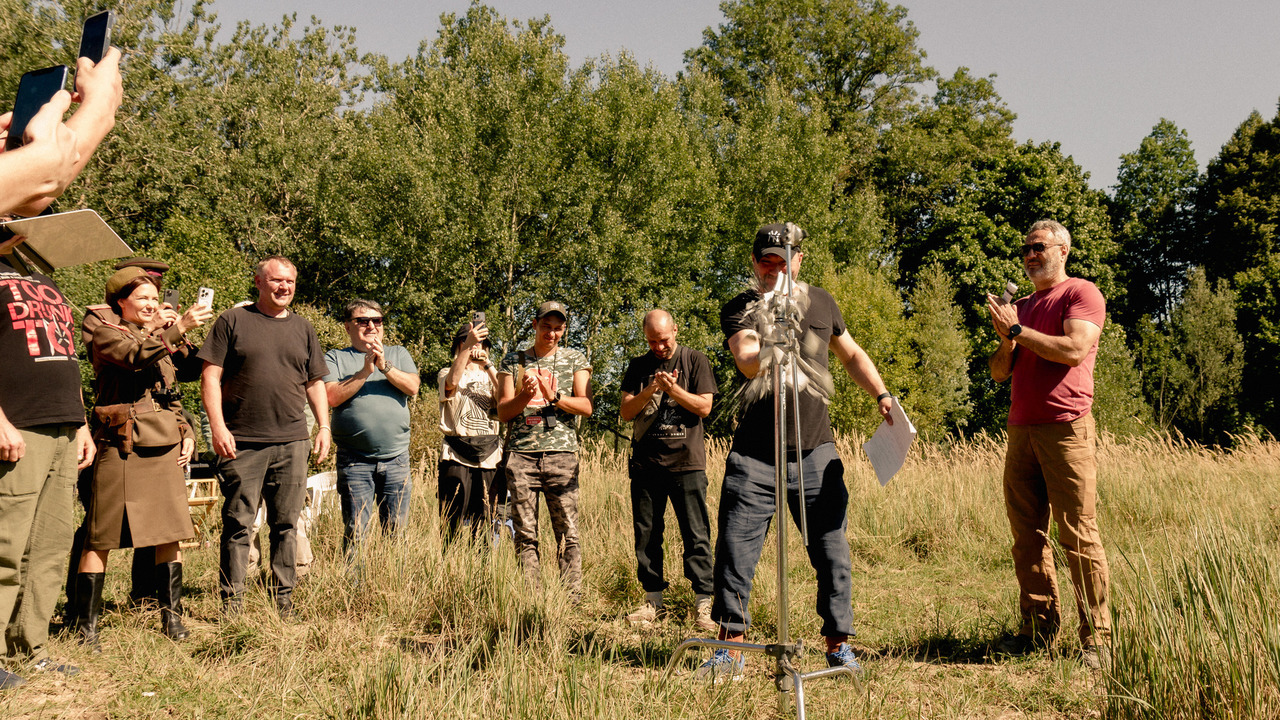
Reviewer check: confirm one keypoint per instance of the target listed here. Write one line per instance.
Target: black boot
(89, 607)
(168, 589)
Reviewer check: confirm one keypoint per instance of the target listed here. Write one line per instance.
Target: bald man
(666, 393)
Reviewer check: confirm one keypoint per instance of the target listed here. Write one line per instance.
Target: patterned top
(469, 412)
(529, 431)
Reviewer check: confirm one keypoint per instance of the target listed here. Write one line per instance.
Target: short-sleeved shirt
(1045, 391)
(373, 422)
(471, 411)
(266, 363)
(821, 321)
(39, 370)
(528, 431)
(673, 434)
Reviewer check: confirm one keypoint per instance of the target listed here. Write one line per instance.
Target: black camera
(549, 419)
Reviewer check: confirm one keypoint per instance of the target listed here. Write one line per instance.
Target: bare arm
(579, 403)
(745, 347)
(1069, 349)
(224, 444)
(33, 175)
(511, 403)
(340, 391)
(633, 403)
(319, 402)
(858, 364)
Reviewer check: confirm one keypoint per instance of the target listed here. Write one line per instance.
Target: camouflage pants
(555, 475)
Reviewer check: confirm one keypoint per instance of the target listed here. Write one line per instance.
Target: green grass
(453, 631)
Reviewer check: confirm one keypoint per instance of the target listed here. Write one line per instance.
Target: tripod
(784, 366)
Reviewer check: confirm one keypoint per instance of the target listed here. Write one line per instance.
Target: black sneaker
(50, 665)
(1017, 645)
(9, 680)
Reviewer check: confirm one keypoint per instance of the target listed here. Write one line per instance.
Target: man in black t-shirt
(667, 392)
(751, 327)
(43, 439)
(261, 363)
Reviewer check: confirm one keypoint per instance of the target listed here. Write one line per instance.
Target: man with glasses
(1048, 343)
(369, 385)
(262, 362)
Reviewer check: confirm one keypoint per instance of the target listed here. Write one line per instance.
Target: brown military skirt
(139, 499)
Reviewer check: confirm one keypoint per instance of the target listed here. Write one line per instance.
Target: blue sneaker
(844, 657)
(722, 667)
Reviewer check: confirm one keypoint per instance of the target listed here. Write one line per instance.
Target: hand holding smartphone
(171, 298)
(35, 89)
(96, 36)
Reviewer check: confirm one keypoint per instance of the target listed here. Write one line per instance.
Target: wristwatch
(1014, 330)
(556, 400)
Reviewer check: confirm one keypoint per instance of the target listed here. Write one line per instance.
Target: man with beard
(667, 392)
(747, 500)
(261, 362)
(1048, 344)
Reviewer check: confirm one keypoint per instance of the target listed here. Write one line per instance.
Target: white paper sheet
(888, 448)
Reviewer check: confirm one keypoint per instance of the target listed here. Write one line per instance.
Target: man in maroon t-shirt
(1048, 343)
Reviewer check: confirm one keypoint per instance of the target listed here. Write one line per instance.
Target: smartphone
(478, 318)
(96, 37)
(171, 298)
(34, 90)
(205, 297)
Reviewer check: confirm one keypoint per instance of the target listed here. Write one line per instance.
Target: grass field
(436, 631)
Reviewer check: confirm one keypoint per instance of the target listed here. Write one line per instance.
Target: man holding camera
(369, 385)
(747, 500)
(543, 390)
(261, 363)
(1048, 344)
(667, 392)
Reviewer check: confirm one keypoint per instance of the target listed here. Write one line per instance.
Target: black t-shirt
(821, 322)
(39, 370)
(265, 363)
(674, 439)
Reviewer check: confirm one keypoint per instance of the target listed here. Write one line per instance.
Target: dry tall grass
(451, 631)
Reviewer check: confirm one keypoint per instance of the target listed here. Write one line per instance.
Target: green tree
(1193, 374)
(1239, 211)
(1152, 213)
(939, 401)
(1118, 404)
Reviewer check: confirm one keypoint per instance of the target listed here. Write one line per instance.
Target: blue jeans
(364, 483)
(746, 509)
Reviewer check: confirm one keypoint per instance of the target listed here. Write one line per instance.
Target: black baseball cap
(770, 240)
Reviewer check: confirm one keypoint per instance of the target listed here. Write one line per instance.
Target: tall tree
(1152, 213)
(1239, 211)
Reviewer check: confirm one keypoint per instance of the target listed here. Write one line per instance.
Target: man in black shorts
(261, 363)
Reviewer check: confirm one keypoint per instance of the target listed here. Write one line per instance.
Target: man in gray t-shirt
(369, 385)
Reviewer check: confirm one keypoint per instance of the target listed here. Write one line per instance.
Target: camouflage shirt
(528, 431)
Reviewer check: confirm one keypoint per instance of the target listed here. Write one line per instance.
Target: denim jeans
(746, 509)
(687, 491)
(364, 483)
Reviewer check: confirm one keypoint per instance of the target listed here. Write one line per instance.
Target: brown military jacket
(128, 362)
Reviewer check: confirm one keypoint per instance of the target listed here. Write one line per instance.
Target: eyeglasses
(367, 321)
(1036, 247)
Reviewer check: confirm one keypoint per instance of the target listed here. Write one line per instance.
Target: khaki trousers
(1050, 469)
(35, 537)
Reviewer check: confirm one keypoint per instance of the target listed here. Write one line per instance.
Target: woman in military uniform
(144, 440)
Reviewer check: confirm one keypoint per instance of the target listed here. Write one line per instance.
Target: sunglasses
(367, 321)
(1036, 247)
